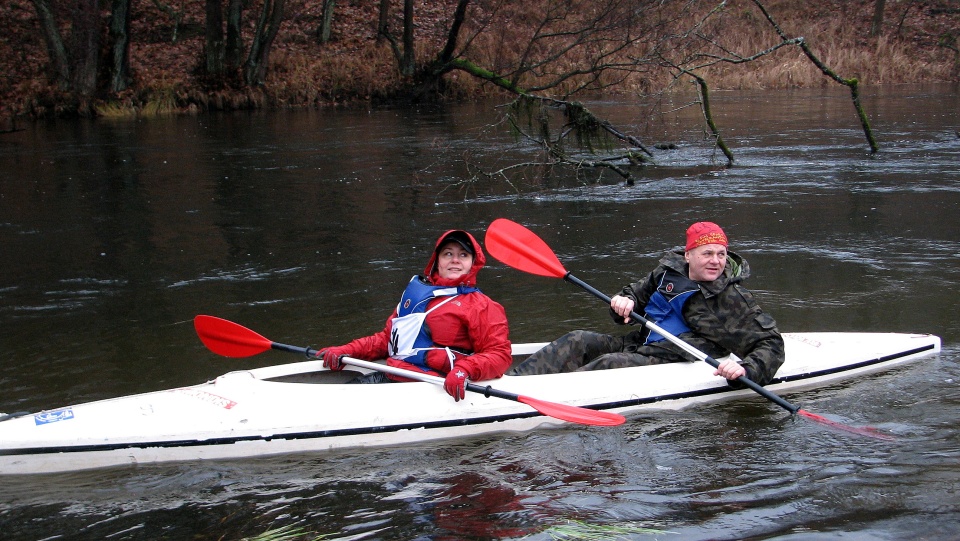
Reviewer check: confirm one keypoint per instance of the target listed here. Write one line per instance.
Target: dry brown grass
(838, 35)
(356, 67)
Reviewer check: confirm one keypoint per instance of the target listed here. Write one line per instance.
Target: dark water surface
(304, 226)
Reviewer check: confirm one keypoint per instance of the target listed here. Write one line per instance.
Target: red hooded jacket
(470, 322)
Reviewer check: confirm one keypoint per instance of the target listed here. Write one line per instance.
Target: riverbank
(916, 44)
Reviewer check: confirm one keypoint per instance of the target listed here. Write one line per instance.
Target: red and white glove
(456, 383)
(331, 357)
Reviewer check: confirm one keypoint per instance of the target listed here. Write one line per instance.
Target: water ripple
(245, 274)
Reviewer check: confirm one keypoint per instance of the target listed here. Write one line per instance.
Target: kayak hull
(302, 408)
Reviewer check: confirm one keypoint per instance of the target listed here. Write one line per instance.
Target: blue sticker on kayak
(47, 417)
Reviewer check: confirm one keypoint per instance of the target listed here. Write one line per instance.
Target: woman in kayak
(695, 294)
(443, 325)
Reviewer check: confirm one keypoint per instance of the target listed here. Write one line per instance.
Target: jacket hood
(736, 270)
(469, 279)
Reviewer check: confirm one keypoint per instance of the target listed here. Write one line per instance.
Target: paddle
(233, 340)
(520, 248)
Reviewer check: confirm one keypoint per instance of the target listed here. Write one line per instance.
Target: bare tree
(223, 49)
(571, 47)
(120, 45)
(255, 68)
(233, 54)
(852, 83)
(404, 52)
(877, 25)
(383, 20)
(326, 21)
(73, 68)
(214, 44)
(56, 51)
(574, 47)
(85, 47)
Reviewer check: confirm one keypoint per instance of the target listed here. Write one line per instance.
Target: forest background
(147, 57)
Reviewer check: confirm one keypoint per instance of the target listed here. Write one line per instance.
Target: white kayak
(303, 408)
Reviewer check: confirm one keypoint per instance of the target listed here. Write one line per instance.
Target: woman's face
(453, 261)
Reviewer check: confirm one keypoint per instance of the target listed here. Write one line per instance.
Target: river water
(305, 225)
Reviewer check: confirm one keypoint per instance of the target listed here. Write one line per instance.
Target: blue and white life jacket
(665, 307)
(409, 337)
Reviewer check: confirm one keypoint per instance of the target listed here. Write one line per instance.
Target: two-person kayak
(303, 408)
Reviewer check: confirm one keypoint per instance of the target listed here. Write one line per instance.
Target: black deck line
(861, 364)
(290, 436)
(434, 424)
(727, 389)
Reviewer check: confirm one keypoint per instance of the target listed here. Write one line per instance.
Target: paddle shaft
(233, 340)
(696, 353)
(410, 374)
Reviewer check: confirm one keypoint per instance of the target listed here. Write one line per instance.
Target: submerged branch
(589, 125)
(704, 90)
(852, 83)
(589, 130)
(555, 150)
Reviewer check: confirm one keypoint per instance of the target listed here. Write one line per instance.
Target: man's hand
(622, 306)
(730, 369)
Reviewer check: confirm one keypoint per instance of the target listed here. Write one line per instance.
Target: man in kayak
(695, 294)
(443, 325)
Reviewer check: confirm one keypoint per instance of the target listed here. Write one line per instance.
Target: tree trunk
(85, 46)
(877, 25)
(120, 45)
(214, 47)
(407, 64)
(326, 24)
(459, 16)
(255, 69)
(431, 78)
(233, 56)
(56, 51)
(383, 25)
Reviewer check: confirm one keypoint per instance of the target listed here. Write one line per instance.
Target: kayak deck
(301, 407)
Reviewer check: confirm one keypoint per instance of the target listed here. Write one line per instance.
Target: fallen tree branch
(852, 83)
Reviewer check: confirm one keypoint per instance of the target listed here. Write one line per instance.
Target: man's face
(706, 262)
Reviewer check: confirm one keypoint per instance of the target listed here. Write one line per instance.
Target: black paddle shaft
(687, 347)
(309, 352)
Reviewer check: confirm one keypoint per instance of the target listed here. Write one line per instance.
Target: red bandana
(702, 233)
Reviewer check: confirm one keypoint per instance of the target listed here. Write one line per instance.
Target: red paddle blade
(522, 249)
(228, 338)
(861, 430)
(573, 414)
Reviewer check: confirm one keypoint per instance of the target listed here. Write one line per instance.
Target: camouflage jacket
(723, 318)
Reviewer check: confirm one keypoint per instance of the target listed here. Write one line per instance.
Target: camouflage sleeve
(751, 334)
(734, 321)
(640, 292)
